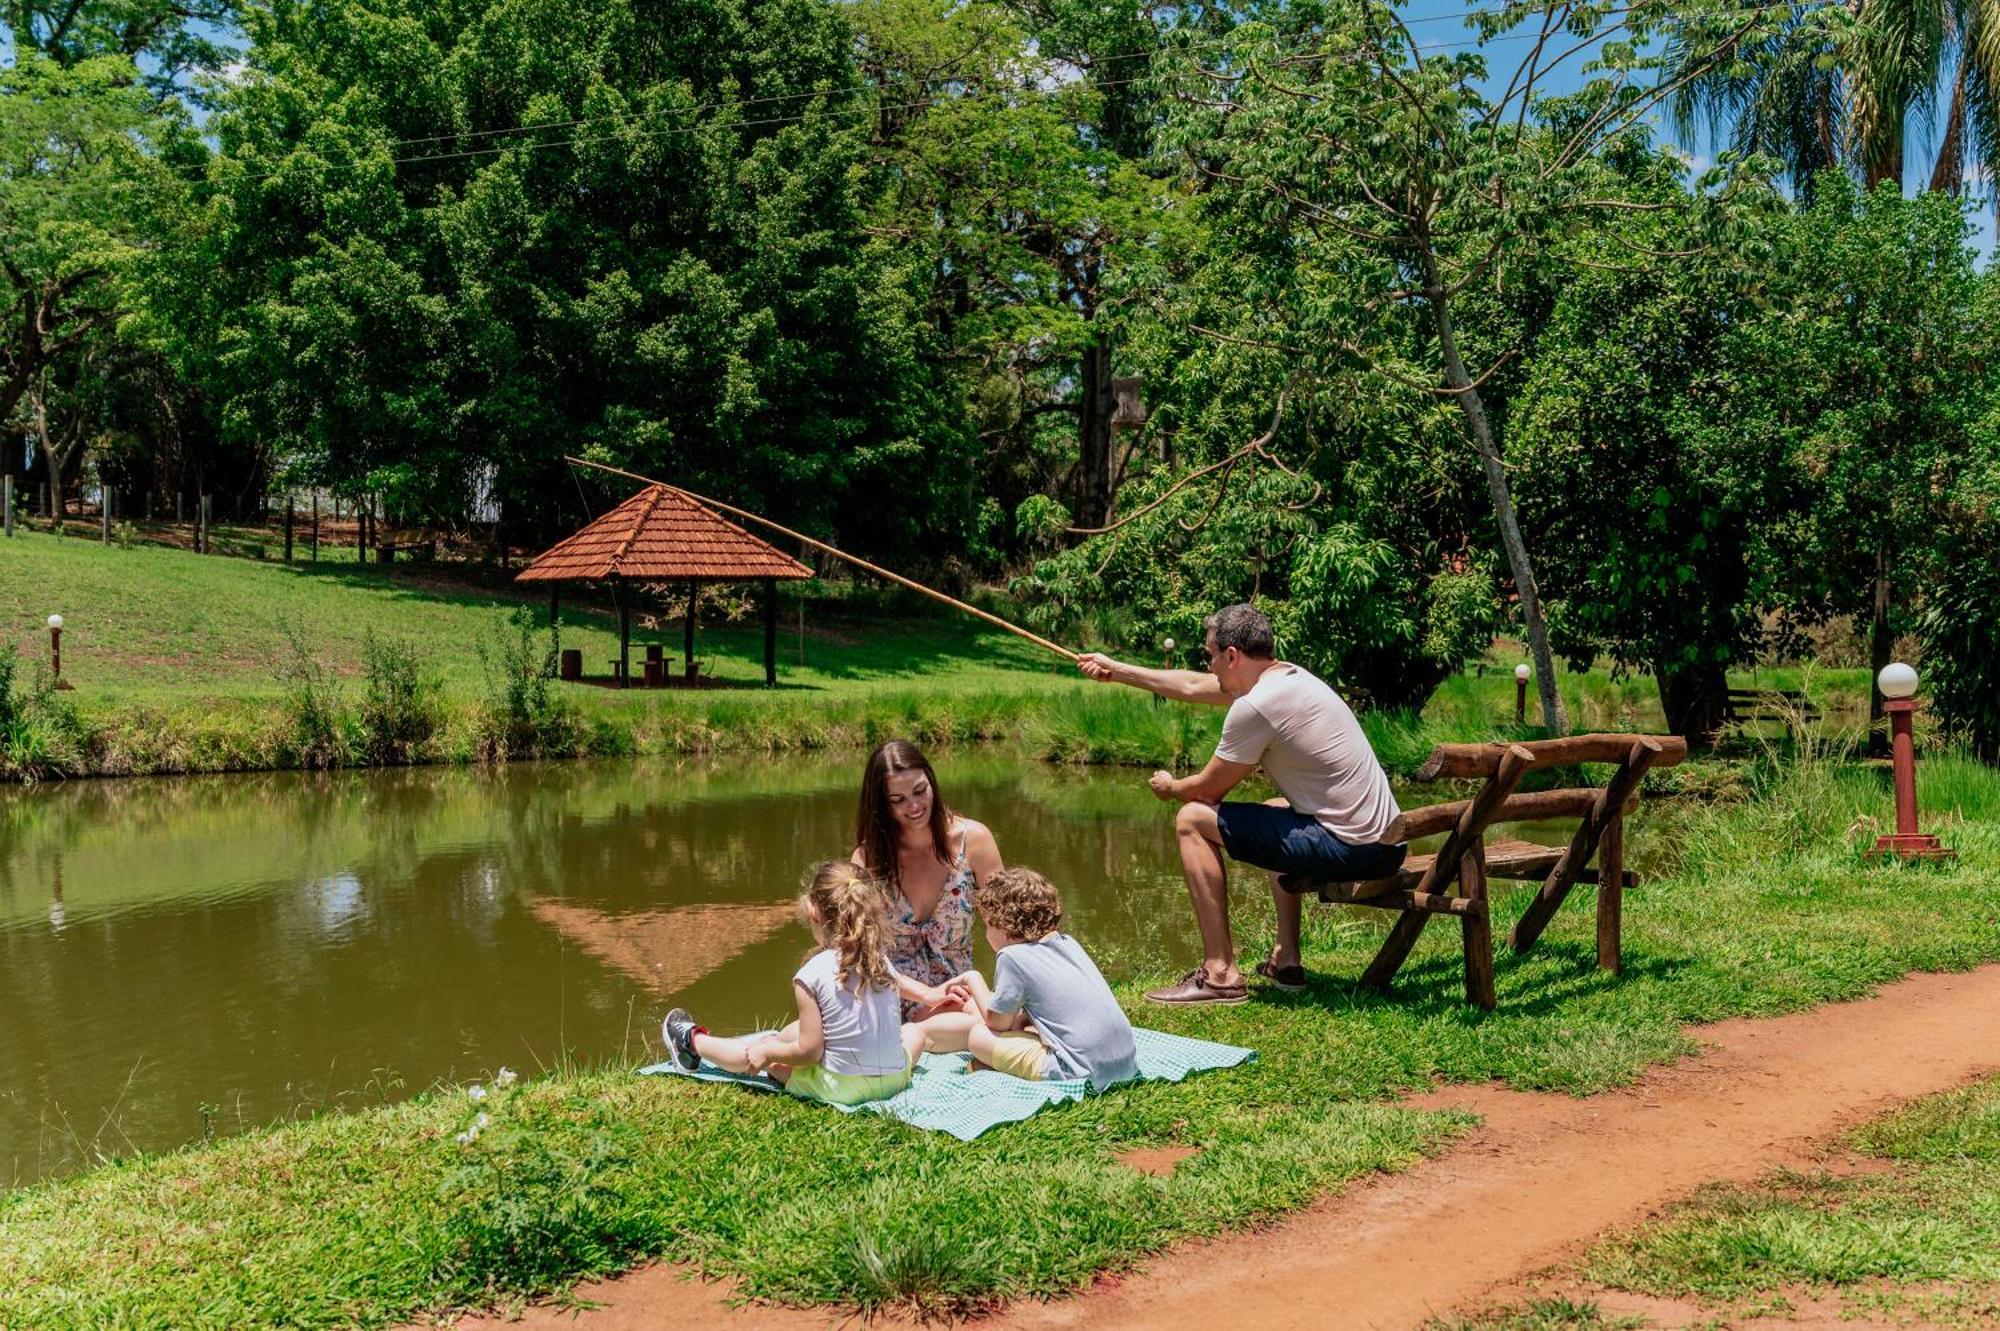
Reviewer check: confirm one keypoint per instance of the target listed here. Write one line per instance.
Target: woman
(929, 859)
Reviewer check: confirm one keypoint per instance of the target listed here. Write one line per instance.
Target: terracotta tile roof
(660, 535)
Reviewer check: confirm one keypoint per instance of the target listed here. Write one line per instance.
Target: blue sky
(1441, 24)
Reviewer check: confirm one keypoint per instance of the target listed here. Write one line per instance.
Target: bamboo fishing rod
(855, 560)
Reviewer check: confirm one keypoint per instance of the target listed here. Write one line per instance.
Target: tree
(82, 201)
(448, 242)
(1868, 376)
(1011, 152)
(1400, 190)
(1658, 514)
(1843, 86)
(167, 39)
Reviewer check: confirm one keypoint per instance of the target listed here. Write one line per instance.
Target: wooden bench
(1787, 705)
(1453, 880)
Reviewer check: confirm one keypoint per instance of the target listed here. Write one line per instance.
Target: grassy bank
(377, 1216)
(191, 663)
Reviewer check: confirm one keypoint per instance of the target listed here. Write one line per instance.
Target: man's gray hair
(1243, 627)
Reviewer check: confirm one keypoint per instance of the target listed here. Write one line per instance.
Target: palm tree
(1842, 85)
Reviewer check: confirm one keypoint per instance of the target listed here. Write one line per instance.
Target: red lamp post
(1521, 694)
(1898, 683)
(55, 653)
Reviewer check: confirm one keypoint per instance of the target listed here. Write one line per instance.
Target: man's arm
(1179, 685)
(1207, 786)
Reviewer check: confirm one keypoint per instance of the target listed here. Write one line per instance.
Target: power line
(831, 113)
(1217, 44)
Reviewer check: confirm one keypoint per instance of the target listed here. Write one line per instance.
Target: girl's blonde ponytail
(853, 916)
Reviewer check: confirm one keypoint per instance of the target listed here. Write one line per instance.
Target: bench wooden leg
(1395, 949)
(1476, 929)
(1610, 895)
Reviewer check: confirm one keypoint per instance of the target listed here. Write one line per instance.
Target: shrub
(41, 732)
(402, 701)
(318, 727)
(525, 716)
(1958, 630)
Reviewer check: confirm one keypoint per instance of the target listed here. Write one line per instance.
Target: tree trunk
(1693, 699)
(1881, 643)
(1474, 409)
(1095, 440)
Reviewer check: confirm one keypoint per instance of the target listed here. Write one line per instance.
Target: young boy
(1049, 1015)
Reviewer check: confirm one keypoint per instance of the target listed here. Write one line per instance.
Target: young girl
(849, 1044)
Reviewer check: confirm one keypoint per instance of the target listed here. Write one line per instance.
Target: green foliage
(539, 1191)
(10, 706)
(525, 715)
(321, 729)
(1961, 617)
(401, 701)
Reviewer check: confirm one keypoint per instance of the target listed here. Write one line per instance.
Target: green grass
(376, 1216)
(1919, 1241)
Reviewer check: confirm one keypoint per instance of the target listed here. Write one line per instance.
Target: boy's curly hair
(1020, 902)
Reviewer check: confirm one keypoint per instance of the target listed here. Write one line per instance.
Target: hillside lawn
(186, 662)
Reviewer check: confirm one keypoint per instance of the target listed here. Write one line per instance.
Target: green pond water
(198, 956)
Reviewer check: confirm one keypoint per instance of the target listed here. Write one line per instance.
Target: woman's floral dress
(934, 950)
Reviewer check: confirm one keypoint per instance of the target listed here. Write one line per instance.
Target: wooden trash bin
(570, 666)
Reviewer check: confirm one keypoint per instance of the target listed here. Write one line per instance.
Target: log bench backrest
(1471, 761)
(1599, 812)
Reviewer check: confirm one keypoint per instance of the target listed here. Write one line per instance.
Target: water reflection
(224, 951)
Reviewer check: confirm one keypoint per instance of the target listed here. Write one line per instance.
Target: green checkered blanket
(944, 1097)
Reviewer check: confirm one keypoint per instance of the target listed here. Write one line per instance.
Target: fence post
(315, 535)
(288, 528)
(208, 524)
(104, 510)
(7, 502)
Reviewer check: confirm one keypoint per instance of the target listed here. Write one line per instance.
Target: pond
(198, 956)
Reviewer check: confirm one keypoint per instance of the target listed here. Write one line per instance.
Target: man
(1338, 819)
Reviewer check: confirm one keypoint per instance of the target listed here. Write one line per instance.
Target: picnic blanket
(943, 1097)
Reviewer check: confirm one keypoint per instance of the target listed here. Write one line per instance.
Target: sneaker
(677, 1033)
(1196, 987)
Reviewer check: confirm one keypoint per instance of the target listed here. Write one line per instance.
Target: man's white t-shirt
(1293, 725)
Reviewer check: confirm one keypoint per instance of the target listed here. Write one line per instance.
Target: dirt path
(1541, 1176)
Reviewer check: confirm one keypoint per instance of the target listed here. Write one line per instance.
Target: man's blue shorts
(1272, 836)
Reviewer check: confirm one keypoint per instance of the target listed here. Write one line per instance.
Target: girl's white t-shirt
(864, 1026)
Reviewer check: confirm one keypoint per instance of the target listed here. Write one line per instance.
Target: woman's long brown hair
(875, 825)
(848, 904)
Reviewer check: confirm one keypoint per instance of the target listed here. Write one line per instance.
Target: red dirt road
(1542, 1176)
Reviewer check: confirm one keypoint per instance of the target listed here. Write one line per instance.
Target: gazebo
(661, 535)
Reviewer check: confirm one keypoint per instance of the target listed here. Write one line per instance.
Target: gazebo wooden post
(687, 635)
(770, 633)
(624, 637)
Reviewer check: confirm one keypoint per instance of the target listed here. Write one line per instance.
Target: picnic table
(1453, 879)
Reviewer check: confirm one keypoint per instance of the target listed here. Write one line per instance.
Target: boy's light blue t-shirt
(1066, 998)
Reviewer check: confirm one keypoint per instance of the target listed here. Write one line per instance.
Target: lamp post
(55, 652)
(1898, 682)
(1521, 673)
